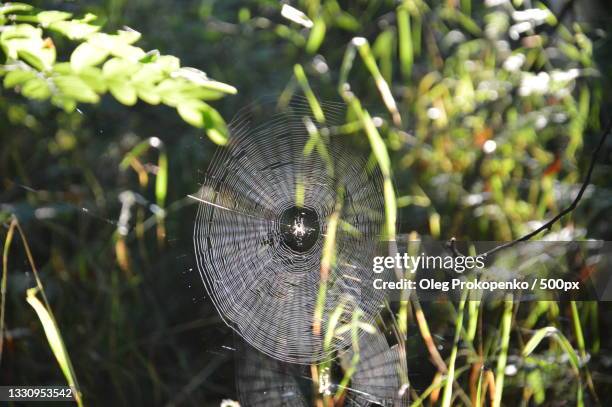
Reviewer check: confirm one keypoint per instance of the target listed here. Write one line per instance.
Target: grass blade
(363, 46)
(43, 310)
(7, 246)
(566, 346)
(317, 111)
(406, 49)
(55, 340)
(503, 353)
(384, 162)
(450, 377)
(316, 37)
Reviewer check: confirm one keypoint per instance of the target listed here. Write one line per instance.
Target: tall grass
(43, 311)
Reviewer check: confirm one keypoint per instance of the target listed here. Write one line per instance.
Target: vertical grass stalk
(503, 352)
(450, 377)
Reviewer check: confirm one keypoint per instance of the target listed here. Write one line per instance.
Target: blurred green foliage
(100, 63)
(484, 114)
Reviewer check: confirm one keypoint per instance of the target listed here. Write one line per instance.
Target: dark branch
(571, 207)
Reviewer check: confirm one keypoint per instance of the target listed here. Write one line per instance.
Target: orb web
(262, 218)
(377, 376)
(265, 382)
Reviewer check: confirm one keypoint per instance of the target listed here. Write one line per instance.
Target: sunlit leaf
(161, 179)
(36, 88)
(86, 55)
(123, 91)
(52, 16)
(54, 338)
(191, 112)
(76, 29)
(76, 88)
(317, 35)
(17, 77)
(7, 8)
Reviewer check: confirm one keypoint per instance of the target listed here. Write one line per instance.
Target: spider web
(377, 375)
(262, 287)
(265, 382)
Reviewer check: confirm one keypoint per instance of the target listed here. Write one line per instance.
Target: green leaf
(168, 63)
(212, 118)
(128, 36)
(75, 29)
(148, 73)
(40, 59)
(52, 16)
(200, 114)
(215, 126)
(92, 76)
(220, 86)
(199, 78)
(20, 31)
(63, 68)
(123, 91)
(119, 45)
(217, 136)
(7, 8)
(17, 77)
(150, 56)
(54, 338)
(384, 162)
(192, 112)
(128, 52)
(36, 88)
(147, 93)
(116, 67)
(128, 75)
(170, 91)
(187, 90)
(66, 103)
(86, 55)
(76, 88)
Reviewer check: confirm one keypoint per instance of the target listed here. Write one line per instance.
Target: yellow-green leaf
(316, 37)
(54, 338)
(17, 77)
(124, 92)
(52, 16)
(86, 55)
(217, 137)
(191, 112)
(76, 88)
(36, 88)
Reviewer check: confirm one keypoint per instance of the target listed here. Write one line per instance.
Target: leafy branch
(101, 63)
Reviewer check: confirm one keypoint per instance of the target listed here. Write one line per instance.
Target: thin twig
(548, 225)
